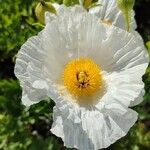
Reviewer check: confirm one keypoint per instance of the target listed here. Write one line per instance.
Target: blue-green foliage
(24, 128)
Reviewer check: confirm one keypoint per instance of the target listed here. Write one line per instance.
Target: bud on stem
(70, 2)
(126, 7)
(87, 3)
(41, 8)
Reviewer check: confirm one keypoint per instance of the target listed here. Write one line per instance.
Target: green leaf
(148, 47)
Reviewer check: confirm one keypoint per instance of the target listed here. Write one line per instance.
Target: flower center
(82, 77)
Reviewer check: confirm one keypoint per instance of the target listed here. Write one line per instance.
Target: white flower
(109, 12)
(91, 70)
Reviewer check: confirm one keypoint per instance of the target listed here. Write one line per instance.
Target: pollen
(82, 77)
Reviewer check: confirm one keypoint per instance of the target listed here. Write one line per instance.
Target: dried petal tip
(41, 8)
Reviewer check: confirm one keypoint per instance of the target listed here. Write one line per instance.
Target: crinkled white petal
(138, 100)
(29, 69)
(32, 96)
(124, 86)
(109, 11)
(61, 10)
(91, 128)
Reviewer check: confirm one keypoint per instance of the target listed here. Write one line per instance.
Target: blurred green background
(24, 128)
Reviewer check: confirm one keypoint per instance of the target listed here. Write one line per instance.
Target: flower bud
(70, 2)
(87, 3)
(125, 5)
(41, 8)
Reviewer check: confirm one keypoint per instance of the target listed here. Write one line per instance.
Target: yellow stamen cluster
(82, 77)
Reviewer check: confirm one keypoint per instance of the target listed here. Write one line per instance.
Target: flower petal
(61, 10)
(117, 49)
(90, 128)
(138, 100)
(29, 70)
(125, 86)
(109, 11)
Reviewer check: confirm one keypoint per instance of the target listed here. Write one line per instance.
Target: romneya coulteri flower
(108, 12)
(91, 70)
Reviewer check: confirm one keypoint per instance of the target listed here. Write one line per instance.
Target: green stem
(127, 18)
(38, 24)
